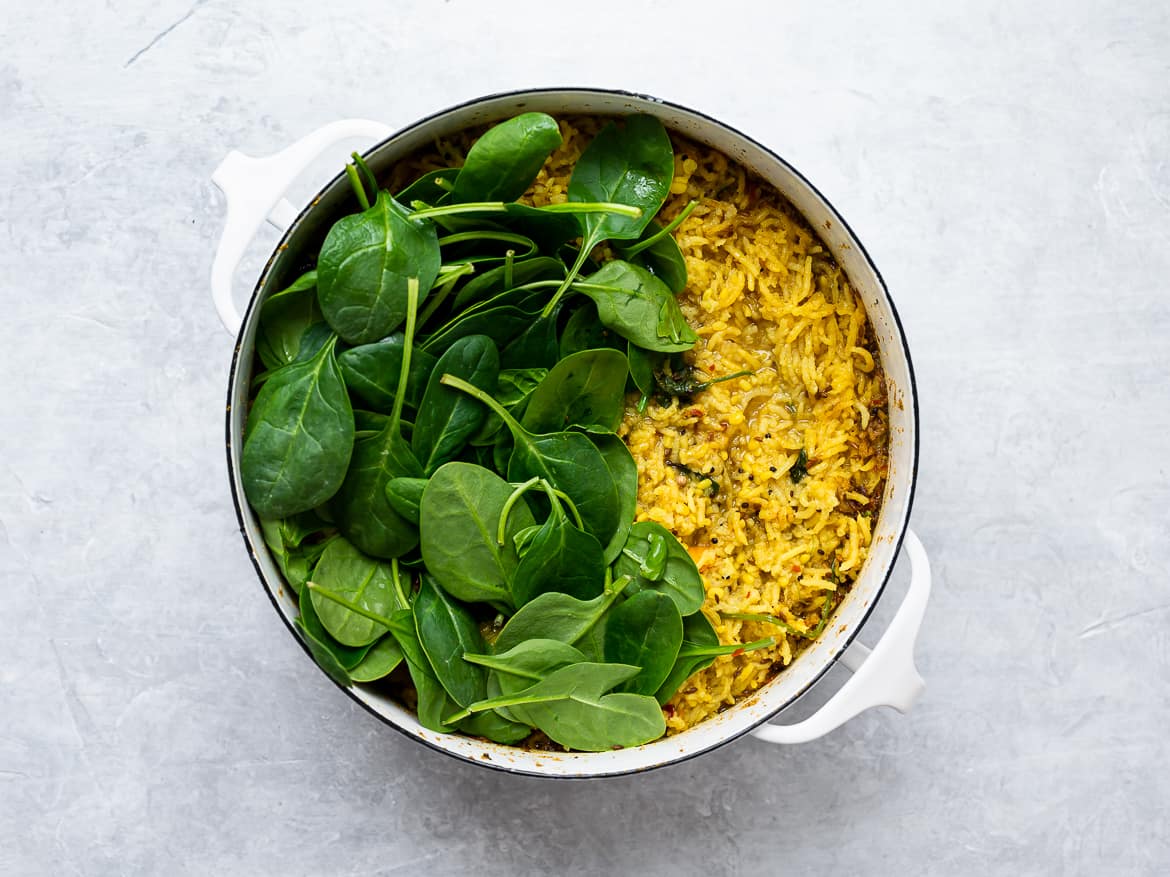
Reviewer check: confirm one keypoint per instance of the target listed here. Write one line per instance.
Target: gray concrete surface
(1008, 169)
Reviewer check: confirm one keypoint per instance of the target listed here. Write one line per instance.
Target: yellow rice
(764, 295)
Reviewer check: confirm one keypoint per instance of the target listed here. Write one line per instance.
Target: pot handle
(255, 187)
(885, 676)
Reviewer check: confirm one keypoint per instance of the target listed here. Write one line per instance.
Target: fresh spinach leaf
(535, 347)
(567, 460)
(584, 389)
(520, 667)
(321, 653)
(284, 318)
(662, 258)
(503, 163)
(459, 516)
(364, 265)
(638, 306)
(492, 282)
(433, 700)
(447, 631)
(645, 631)
(405, 496)
(700, 647)
(286, 537)
(431, 187)
(360, 579)
(380, 661)
(571, 706)
(559, 557)
(447, 418)
(624, 472)
(371, 372)
(558, 616)
(513, 388)
(347, 657)
(299, 438)
(495, 727)
(632, 164)
(584, 331)
(361, 508)
(676, 576)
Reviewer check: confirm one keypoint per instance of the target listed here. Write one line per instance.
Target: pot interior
(306, 234)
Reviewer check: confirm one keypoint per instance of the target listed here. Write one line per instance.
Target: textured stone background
(1007, 169)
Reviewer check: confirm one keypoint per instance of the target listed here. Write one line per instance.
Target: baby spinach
(345, 656)
(559, 557)
(430, 187)
(459, 515)
(299, 437)
(371, 372)
(661, 257)
(500, 324)
(584, 390)
(447, 418)
(433, 700)
(583, 331)
(364, 266)
(639, 307)
(447, 631)
(361, 507)
(571, 706)
(558, 616)
(379, 662)
(567, 460)
(676, 575)
(642, 364)
(492, 282)
(405, 495)
(503, 163)
(495, 727)
(360, 579)
(284, 318)
(286, 537)
(624, 472)
(523, 665)
(535, 346)
(513, 389)
(700, 646)
(363, 511)
(645, 631)
(632, 164)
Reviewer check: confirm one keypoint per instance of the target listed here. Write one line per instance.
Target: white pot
(886, 676)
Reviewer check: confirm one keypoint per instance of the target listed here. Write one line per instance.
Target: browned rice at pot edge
(764, 295)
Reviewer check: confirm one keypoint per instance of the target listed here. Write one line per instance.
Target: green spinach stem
(476, 393)
(662, 232)
(564, 497)
(826, 610)
(355, 183)
(367, 174)
(502, 527)
(442, 289)
(731, 649)
(404, 370)
(586, 247)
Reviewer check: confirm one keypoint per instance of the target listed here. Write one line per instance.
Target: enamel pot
(255, 192)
